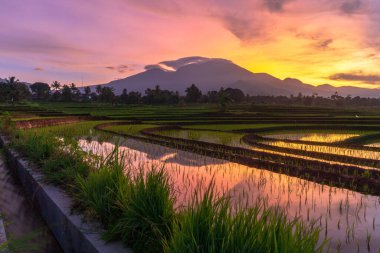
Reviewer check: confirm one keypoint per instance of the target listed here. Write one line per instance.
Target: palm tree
(73, 87)
(16, 90)
(12, 80)
(56, 85)
(12, 83)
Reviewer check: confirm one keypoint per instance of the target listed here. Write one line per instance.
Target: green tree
(107, 95)
(193, 94)
(56, 86)
(17, 91)
(66, 93)
(224, 99)
(40, 90)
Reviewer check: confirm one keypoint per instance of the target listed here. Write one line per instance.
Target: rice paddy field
(312, 175)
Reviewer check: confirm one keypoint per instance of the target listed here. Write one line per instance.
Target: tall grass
(101, 189)
(148, 212)
(65, 164)
(211, 225)
(37, 147)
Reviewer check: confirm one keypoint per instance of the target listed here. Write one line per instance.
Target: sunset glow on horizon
(94, 42)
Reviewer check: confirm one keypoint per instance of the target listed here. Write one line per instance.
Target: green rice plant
(147, 212)
(101, 189)
(65, 164)
(37, 147)
(211, 225)
(201, 227)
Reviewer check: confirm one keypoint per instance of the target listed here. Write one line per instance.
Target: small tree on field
(224, 99)
(193, 94)
(40, 90)
(107, 95)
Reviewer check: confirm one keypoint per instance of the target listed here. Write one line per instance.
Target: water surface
(348, 217)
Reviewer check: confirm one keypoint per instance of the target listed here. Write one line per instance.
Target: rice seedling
(147, 214)
(36, 147)
(102, 188)
(209, 224)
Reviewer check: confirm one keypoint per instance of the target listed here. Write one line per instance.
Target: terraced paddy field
(346, 216)
(318, 167)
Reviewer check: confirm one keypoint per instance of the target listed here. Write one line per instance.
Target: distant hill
(213, 73)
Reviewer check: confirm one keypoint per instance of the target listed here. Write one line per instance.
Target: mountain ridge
(214, 73)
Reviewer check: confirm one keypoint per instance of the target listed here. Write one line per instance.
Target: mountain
(214, 73)
(2, 80)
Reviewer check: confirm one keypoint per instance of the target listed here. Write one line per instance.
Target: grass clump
(37, 147)
(137, 209)
(102, 188)
(211, 225)
(147, 212)
(61, 161)
(65, 164)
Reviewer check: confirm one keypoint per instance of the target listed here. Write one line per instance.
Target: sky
(94, 42)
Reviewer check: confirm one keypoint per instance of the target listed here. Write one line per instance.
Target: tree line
(14, 91)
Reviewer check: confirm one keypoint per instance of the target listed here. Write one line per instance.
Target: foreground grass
(209, 224)
(138, 208)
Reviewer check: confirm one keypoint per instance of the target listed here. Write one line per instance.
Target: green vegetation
(147, 212)
(132, 129)
(139, 208)
(26, 243)
(209, 224)
(225, 138)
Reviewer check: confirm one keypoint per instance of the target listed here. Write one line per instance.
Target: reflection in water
(317, 137)
(329, 150)
(21, 219)
(346, 216)
(154, 152)
(376, 145)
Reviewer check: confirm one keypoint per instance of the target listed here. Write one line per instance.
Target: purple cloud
(357, 76)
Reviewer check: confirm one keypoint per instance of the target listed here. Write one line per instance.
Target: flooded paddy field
(182, 144)
(351, 219)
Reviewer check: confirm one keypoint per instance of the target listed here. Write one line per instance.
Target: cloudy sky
(91, 42)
